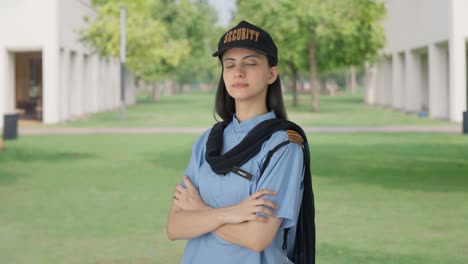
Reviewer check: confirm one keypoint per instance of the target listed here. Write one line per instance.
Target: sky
(224, 8)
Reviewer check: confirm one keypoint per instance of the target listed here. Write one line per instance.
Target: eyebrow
(245, 57)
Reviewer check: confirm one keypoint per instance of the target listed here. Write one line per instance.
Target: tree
(194, 22)
(284, 32)
(329, 34)
(166, 39)
(341, 33)
(150, 49)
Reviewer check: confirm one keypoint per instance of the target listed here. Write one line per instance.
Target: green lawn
(195, 109)
(380, 198)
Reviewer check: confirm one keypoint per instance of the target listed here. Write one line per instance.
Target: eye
(251, 62)
(228, 66)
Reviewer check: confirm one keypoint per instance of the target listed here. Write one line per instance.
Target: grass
(380, 198)
(195, 109)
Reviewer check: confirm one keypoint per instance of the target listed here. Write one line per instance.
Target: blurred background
(94, 141)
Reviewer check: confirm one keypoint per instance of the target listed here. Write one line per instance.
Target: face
(246, 74)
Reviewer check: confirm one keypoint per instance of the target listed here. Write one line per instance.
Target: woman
(245, 188)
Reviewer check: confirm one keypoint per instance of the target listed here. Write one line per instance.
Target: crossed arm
(190, 217)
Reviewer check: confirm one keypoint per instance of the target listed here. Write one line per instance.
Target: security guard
(248, 180)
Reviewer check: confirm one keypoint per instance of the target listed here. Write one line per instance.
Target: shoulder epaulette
(295, 137)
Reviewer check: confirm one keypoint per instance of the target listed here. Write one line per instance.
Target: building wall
(24, 26)
(427, 42)
(415, 23)
(457, 59)
(75, 81)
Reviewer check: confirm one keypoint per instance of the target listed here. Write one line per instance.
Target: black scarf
(304, 248)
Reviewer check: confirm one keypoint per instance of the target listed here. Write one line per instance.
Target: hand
(188, 198)
(247, 210)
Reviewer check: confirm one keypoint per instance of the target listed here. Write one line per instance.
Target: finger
(180, 188)
(265, 211)
(176, 193)
(177, 203)
(260, 193)
(266, 202)
(188, 182)
(260, 218)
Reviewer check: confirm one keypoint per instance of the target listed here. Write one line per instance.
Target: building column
(457, 75)
(64, 85)
(72, 88)
(7, 83)
(78, 85)
(51, 100)
(3, 82)
(457, 60)
(107, 91)
(398, 80)
(438, 82)
(102, 85)
(388, 82)
(412, 92)
(114, 83)
(94, 82)
(87, 84)
(370, 83)
(424, 81)
(380, 82)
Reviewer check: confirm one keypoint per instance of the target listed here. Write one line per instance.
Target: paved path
(199, 130)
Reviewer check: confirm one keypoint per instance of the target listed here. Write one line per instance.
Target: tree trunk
(168, 87)
(294, 88)
(314, 89)
(156, 92)
(178, 87)
(348, 81)
(294, 84)
(353, 79)
(322, 85)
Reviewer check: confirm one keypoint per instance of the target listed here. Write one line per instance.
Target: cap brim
(220, 52)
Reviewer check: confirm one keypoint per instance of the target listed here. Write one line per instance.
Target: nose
(239, 72)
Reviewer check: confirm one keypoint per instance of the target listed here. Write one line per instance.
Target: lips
(240, 85)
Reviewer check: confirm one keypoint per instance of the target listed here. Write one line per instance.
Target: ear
(273, 75)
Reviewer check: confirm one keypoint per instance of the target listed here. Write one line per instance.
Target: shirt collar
(247, 125)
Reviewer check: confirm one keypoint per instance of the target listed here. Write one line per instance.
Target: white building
(45, 72)
(423, 67)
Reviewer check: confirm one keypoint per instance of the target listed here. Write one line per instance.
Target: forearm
(252, 234)
(191, 217)
(239, 234)
(190, 224)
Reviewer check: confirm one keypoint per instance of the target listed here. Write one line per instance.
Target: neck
(246, 111)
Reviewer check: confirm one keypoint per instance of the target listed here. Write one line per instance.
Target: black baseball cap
(246, 35)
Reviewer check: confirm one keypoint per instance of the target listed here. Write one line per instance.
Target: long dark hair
(225, 106)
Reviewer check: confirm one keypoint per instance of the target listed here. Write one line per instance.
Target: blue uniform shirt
(284, 175)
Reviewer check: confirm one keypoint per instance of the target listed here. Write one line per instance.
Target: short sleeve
(284, 174)
(196, 159)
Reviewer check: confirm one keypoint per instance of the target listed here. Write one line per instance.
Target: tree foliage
(194, 22)
(319, 36)
(164, 37)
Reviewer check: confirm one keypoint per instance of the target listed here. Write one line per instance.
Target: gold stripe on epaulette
(295, 137)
